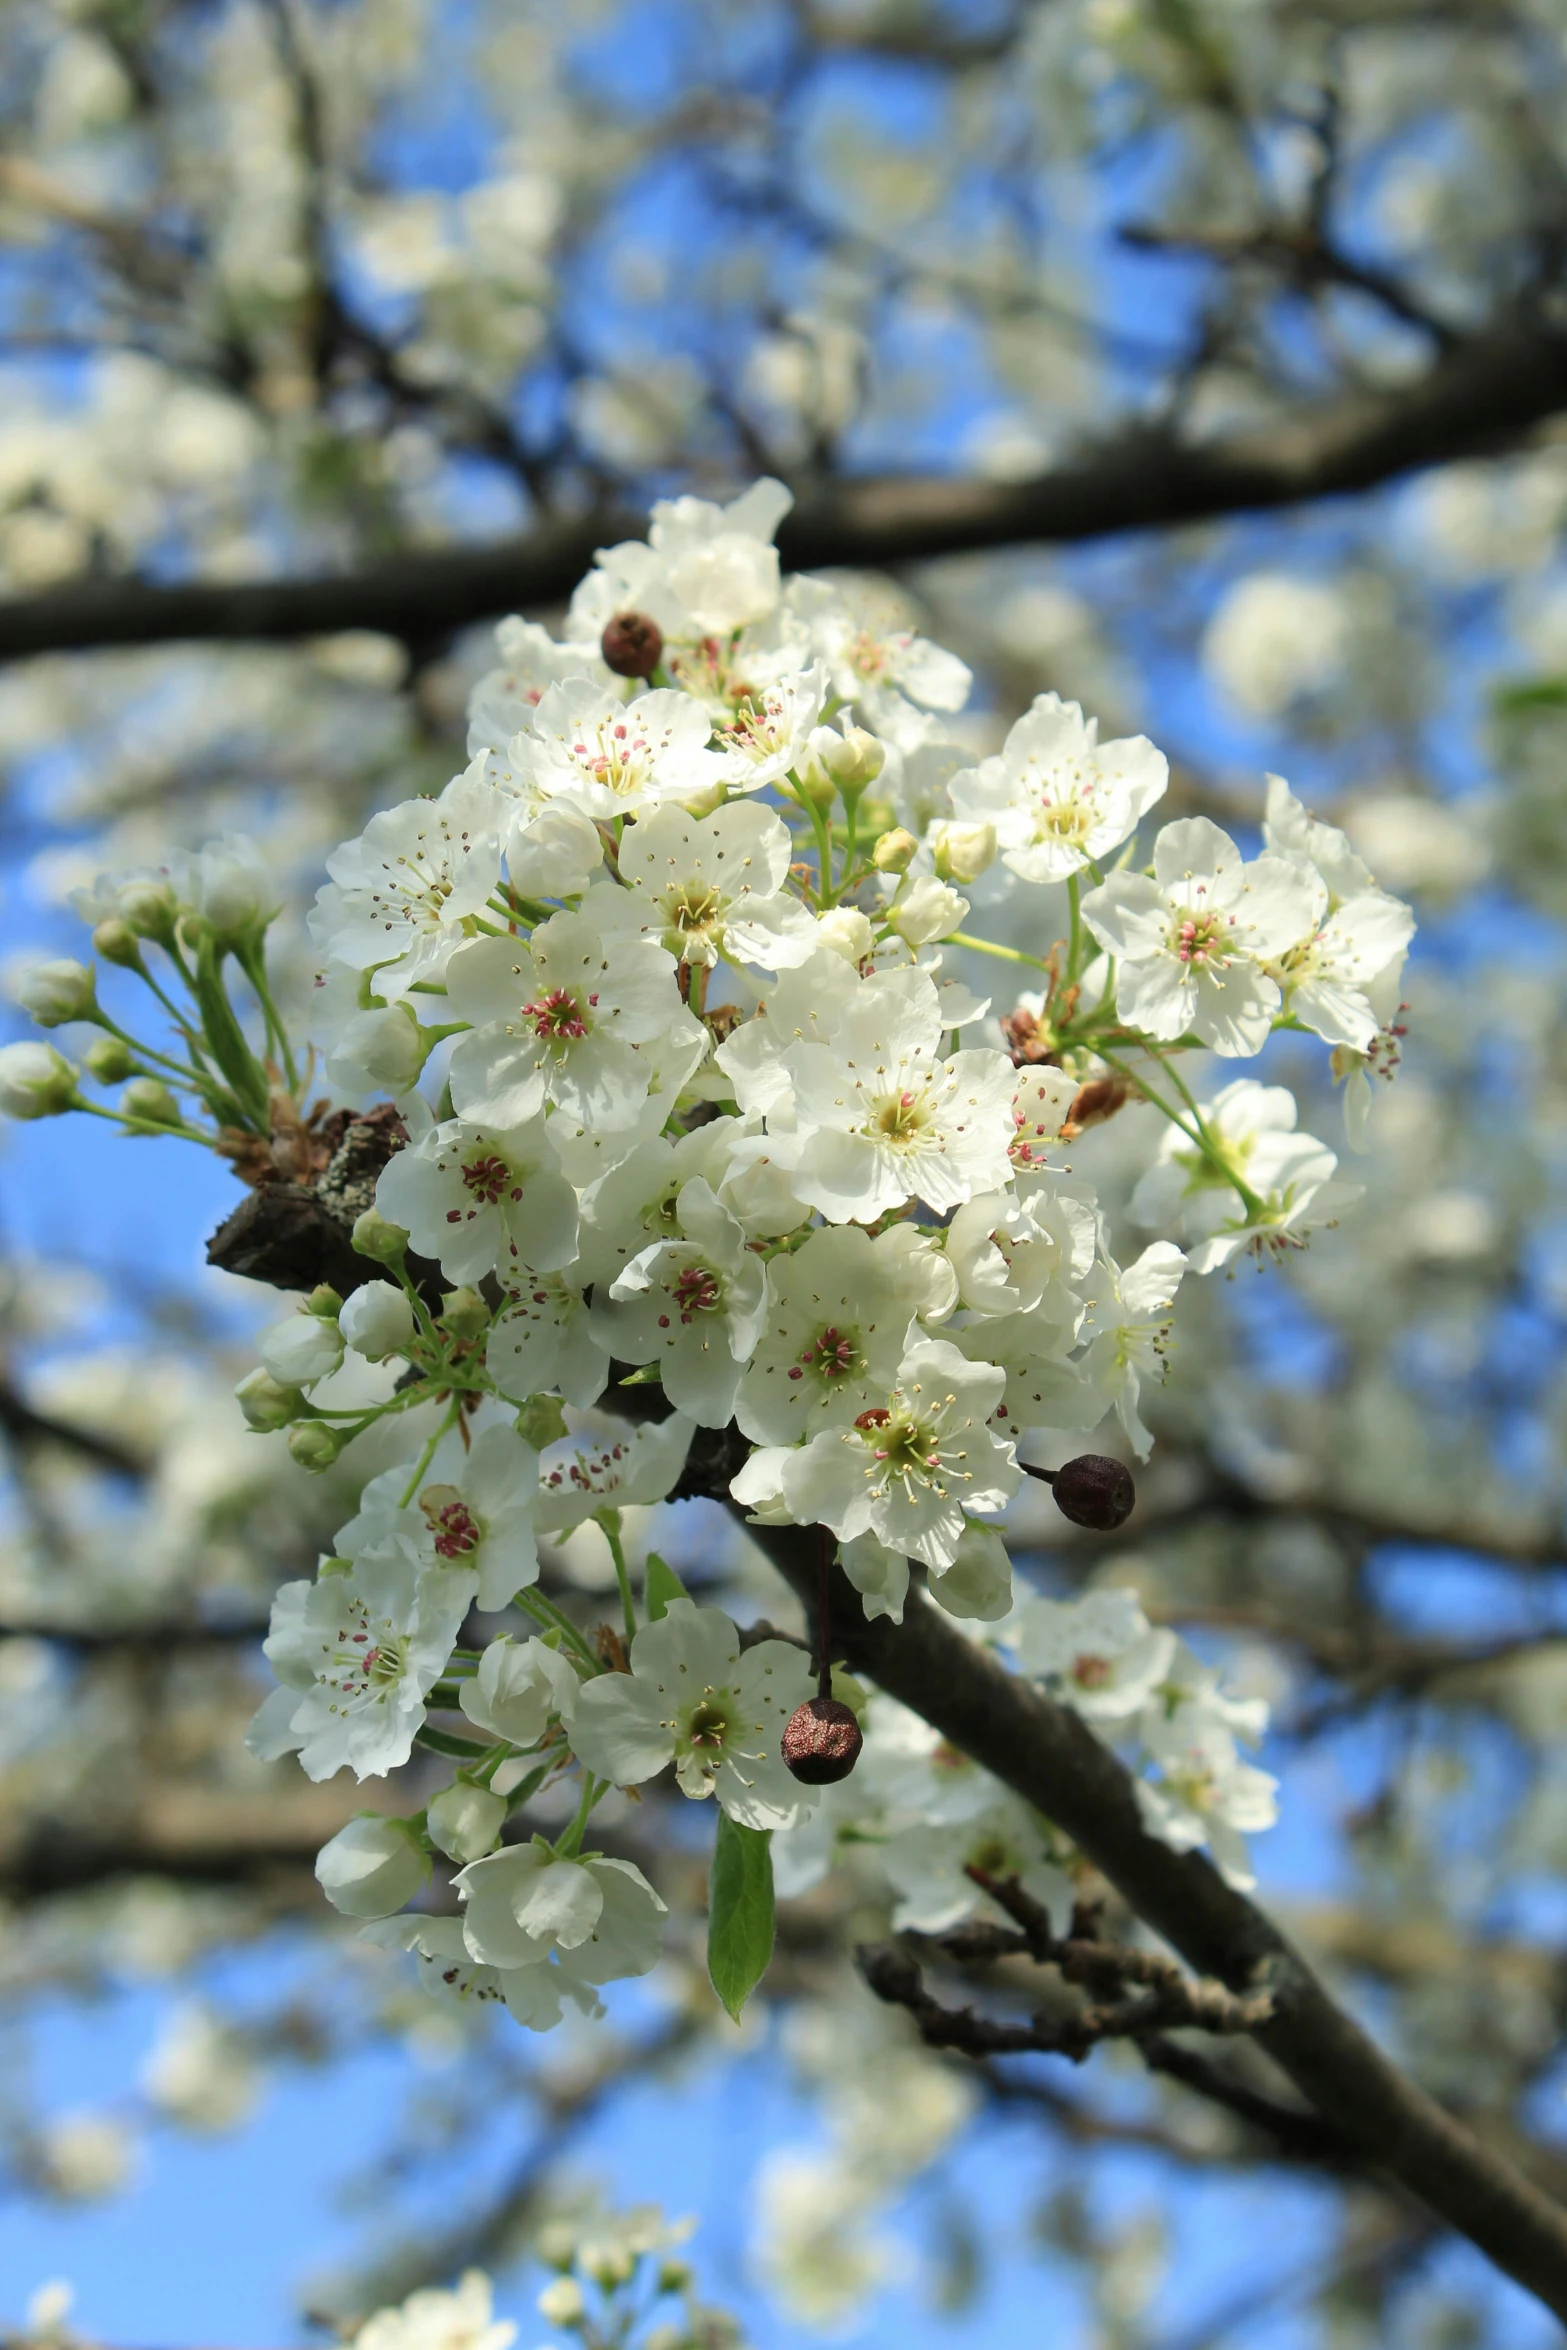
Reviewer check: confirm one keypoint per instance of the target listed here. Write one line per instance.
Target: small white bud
(561, 2303)
(926, 909)
(149, 1100)
(380, 1051)
(852, 759)
(35, 1081)
(266, 1403)
(895, 851)
(315, 1444)
(51, 993)
(375, 1235)
(371, 1867)
(465, 1820)
(846, 930)
(234, 888)
(963, 851)
(301, 1349)
(377, 1321)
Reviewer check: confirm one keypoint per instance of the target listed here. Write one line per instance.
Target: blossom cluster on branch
(689, 1089)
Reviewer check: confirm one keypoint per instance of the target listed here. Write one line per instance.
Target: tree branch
(1486, 396)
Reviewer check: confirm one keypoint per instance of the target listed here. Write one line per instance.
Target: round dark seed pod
(821, 1741)
(632, 645)
(1095, 1491)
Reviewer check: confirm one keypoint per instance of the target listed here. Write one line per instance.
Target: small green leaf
(740, 1912)
(660, 1586)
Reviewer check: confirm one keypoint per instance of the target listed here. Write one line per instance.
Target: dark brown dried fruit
(632, 645)
(1095, 1491)
(821, 1741)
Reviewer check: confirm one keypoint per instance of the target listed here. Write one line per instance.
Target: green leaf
(661, 1584)
(740, 1911)
(1522, 695)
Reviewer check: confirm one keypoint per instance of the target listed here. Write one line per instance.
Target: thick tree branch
(1053, 1760)
(1050, 1757)
(1485, 396)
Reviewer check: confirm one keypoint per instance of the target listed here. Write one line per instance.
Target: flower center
(1201, 941)
(560, 1016)
(696, 1290)
(903, 1446)
(1091, 1672)
(487, 1179)
(617, 758)
(694, 906)
(1066, 820)
(387, 1661)
(757, 727)
(833, 1354)
(457, 1531)
(868, 656)
(901, 1119)
(707, 1724)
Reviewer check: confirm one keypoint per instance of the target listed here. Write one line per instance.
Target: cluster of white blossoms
(671, 990)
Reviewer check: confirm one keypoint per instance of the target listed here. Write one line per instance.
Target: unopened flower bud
(821, 1742)
(556, 2244)
(315, 1444)
(377, 1321)
(54, 992)
(266, 1403)
(963, 851)
(107, 1059)
(301, 1348)
(1095, 1491)
(372, 1866)
(35, 1081)
(464, 1820)
(149, 1101)
(541, 1422)
(925, 910)
(150, 906)
(561, 2304)
(608, 2263)
(235, 888)
(325, 1301)
(674, 2276)
(465, 1313)
(117, 942)
(632, 645)
(846, 930)
(382, 1050)
(894, 852)
(853, 758)
(375, 1235)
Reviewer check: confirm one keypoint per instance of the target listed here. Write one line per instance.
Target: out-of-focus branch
(1486, 396)
(21, 1423)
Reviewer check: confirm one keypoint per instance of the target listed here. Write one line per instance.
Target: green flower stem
(145, 1125)
(610, 1521)
(545, 1612)
(468, 1750)
(1074, 944)
(428, 1455)
(985, 946)
(1200, 1139)
(252, 961)
(592, 1789)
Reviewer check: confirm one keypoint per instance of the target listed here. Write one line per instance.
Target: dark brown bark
(1484, 396)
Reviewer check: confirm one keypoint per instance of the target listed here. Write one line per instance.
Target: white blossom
(838, 1320)
(561, 1019)
(479, 1198)
(608, 758)
(1059, 798)
(358, 1654)
(909, 1467)
(468, 1521)
(1250, 1128)
(1099, 1654)
(693, 1305)
(1192, 940)
(371, 1867)
(706, 886)
(1128, 1327)
(623, 1472)
(691, 1698)
(402, 896)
